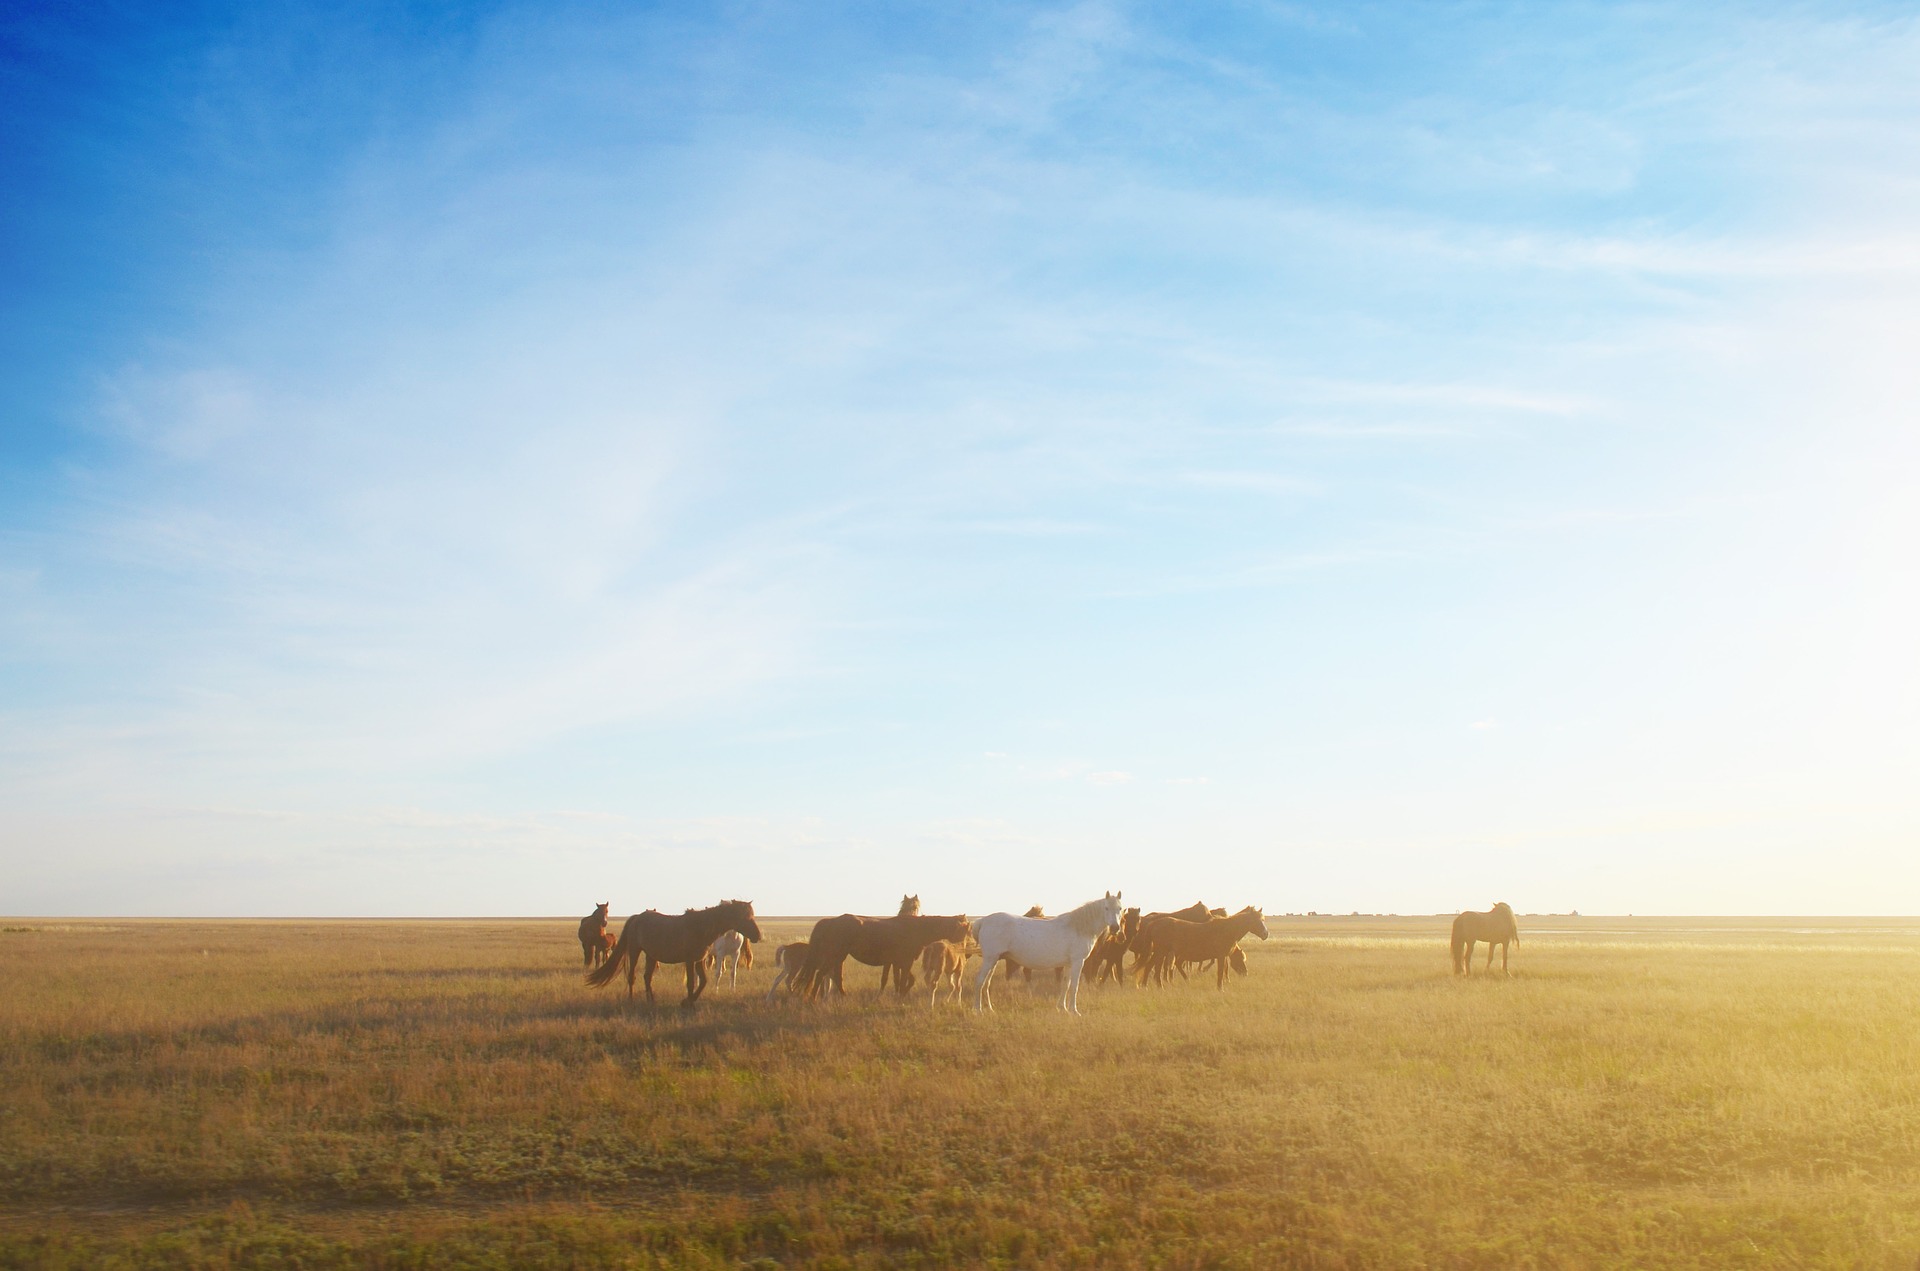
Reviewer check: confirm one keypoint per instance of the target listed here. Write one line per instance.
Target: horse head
(1113, 910)
(600, 910)
(740, 914)
(1258, 921)
(909, 906)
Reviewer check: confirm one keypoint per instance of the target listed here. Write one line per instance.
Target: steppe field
(1700, 1093)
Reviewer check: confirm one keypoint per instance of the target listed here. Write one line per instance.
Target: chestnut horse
(909, 906)
(682, 938)
(1109, 952)
(943, 963)
(1137, 946)
(787, 961)
(890, 942)
(592, 928)
(1495, 926)
(1172, 940)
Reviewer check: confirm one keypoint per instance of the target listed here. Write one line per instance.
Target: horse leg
(1070, 995)
(982, 1000)
(697, 967)
(1503, 958)
(652, 962)
(1467, 961)
(1489, 957)
(633, 967)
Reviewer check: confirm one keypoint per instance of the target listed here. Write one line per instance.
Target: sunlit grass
(441, 1093)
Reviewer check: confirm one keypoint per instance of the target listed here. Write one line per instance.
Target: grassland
(288, 1094)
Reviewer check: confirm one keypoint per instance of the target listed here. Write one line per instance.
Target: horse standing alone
(1044, 942)
(1495, 926)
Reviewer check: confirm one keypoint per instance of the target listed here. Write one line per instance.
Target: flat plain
(1653, 1093)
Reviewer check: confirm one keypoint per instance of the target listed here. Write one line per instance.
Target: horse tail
(603, 975)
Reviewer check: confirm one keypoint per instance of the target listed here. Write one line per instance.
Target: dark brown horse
(889, 942)
(1109, 952)
(1173, 940)
(592, 927)
(682, 938)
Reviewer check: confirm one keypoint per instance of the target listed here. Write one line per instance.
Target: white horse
(1043, 942)
(730, 953)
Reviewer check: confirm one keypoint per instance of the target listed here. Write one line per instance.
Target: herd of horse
(1093, 940)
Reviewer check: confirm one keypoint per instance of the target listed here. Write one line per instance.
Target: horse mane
(1089, 919)
(712, 909)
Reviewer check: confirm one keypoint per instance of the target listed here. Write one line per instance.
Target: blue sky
(494, 459)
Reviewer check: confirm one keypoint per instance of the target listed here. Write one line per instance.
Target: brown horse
(944, 963)
(1109, 952)
(1236, 962)
(890, 942)
(1495, 926)
(1196, 912)
(787, 960)
(605, 951)
(1171, 940)
(592, 928)
(909, 906)
(682, 938)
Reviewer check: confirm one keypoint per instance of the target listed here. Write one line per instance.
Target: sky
(490, 459)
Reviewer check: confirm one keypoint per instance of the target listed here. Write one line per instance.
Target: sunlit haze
(1391, 458)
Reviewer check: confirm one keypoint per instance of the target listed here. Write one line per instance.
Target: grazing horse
(1495, 926)
(593, 928)
(943, 963)
(1172, 940)
(890, 942)
(731, 954)
(683, 938)
(787, 960)
(1044, 942)
(1236, 962)
(1109, 952)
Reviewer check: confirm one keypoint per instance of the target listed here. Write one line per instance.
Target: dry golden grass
(1640, 1094)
